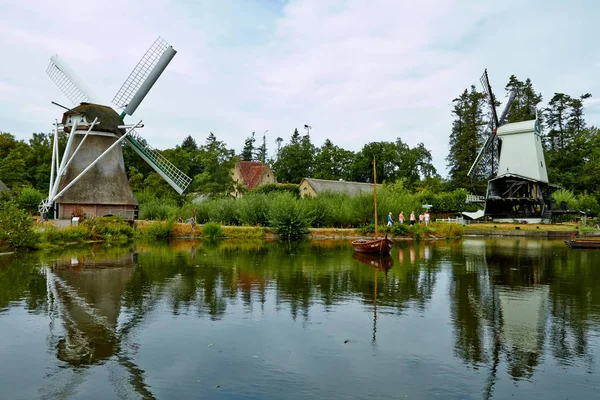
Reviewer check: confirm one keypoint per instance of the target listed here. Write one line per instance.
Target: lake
(462, 319)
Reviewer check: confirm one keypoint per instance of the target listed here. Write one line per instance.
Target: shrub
(212, 230)
(400, 229)
(29, 200)
(69, 234)
(158, 230)
(277, 188)
(158, 210)
(15, 228)
(224, 211)
(254, 209)
(289, 217)
(108, 228)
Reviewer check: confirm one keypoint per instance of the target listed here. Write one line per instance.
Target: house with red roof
(250, 175)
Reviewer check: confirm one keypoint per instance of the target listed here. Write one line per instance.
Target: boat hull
(583, 243)
(373, 246)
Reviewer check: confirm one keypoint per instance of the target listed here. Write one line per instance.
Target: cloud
(355, 71)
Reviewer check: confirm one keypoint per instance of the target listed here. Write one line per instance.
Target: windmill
(512, 158)
(486, 162)
(90, 175)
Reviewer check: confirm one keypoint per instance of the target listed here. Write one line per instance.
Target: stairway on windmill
(90, 176)
(520, 191)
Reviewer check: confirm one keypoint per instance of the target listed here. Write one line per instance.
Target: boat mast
(375, 196)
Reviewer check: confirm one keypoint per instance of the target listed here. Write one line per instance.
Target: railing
(450, 220)
(473, 198)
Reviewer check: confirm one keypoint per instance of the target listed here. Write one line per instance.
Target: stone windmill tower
(90, 175)
(513, 157)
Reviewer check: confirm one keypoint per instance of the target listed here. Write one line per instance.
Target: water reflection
(511, 304)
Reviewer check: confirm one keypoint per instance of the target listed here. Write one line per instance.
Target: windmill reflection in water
(85, 294)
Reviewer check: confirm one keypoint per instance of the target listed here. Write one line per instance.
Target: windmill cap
(108, 118)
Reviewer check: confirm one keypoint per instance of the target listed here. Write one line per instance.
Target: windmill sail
(486, 161)
(69, 82)
(144, 75)
(170, 173)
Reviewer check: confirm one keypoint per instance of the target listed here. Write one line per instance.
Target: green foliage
(289, 217)
(224, 211)
(158, 230)
(155, 209)
(395, 160)
(15, 228)
(29, 199)
(295, 160)
(467, 136)
(254, 209)
(588, 203)
(212, 230)
(108, 228)
(565, 196)
(273, 188)
(72, 234)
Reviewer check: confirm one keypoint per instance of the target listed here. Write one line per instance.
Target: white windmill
(520, 190)
(91, 174)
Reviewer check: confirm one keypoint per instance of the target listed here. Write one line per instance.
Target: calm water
(473, 319)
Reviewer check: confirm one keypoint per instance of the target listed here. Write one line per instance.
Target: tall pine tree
(467, 136)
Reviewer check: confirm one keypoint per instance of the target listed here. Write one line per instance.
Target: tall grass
(289, 218)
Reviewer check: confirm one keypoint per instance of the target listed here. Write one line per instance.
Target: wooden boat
(583, 243)
(379, 261)
(373, 246)
(376, 245)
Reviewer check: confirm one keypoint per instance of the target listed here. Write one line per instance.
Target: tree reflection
(509, 300)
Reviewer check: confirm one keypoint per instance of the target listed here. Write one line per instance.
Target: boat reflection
(382, 262)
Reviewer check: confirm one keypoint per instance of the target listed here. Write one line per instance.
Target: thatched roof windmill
(90, 175)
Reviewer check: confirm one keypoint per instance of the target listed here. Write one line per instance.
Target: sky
(356, 71)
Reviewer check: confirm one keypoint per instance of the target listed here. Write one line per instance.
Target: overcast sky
(356, 71)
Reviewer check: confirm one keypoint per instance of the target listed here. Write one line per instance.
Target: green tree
(248, 150)
(189, 144)
(261, 152)
(332, 162)
(525, 101)
(467, 136)
(295, 160)
(216, 178)
(395, 160)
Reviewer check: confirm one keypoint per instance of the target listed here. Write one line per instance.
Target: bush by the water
(157, 230)
(16, 228)
(109, 228)
(289, 217)
(212, 230)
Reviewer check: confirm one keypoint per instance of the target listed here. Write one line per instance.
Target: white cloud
(356, 71)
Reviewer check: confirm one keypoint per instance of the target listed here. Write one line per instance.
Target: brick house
(250, 175)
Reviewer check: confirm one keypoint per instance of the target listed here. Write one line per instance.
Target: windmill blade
(481, 155)
(487, 88)
(144, 75)
(169, 172)
(69, 82)
(511, 98)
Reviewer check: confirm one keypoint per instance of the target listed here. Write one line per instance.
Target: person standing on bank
(390, 221)
(412, 218)
(401, 217)
(426, 217)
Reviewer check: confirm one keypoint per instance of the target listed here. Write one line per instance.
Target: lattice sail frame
(140, 73)
(72, 86)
